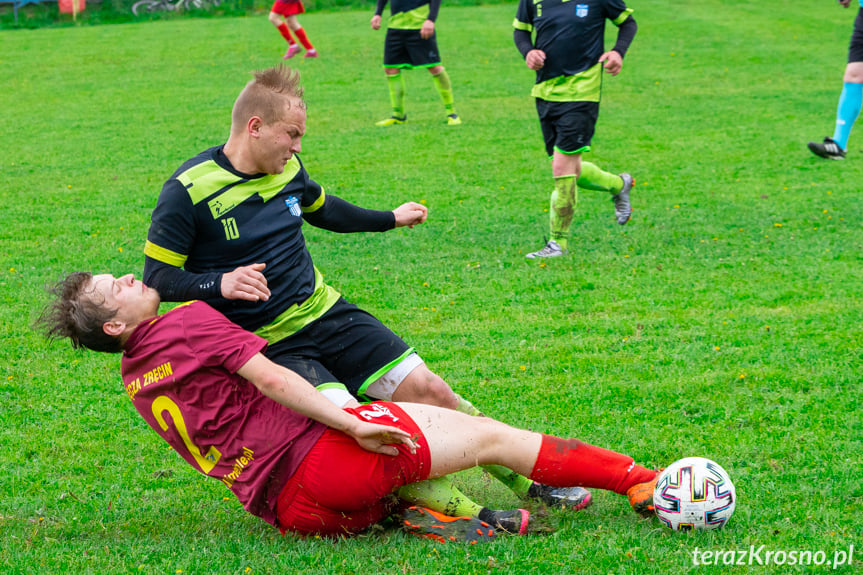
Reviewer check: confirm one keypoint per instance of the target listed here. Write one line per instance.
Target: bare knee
(293, 23)
(565, 164)
(274, 18)
(854, 73)
(423, 386)
(435, 70)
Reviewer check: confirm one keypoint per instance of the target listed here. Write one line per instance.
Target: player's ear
(114, 328)
(254, 126)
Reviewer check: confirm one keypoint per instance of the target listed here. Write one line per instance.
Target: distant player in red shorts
(289, 9)
(286, 452)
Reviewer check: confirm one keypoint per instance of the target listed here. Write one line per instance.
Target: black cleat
(575, 498)
(829, 149)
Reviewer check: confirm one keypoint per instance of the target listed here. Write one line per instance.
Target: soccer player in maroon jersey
(228, 229)
(290, 455)
(289, 10)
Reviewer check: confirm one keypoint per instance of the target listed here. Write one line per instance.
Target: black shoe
(514, 521)
(829, 149)
(575, 498)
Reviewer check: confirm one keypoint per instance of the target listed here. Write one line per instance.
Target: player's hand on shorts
(376, 22)
(427, 31)
(410, 214)
(613, 62)
(535, 59)
(382, 438)
(246, 283)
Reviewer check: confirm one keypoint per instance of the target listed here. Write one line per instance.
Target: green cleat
(392, 121)
(453, 120)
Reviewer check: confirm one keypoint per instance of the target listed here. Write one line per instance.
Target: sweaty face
(133, 300)
(280, 140)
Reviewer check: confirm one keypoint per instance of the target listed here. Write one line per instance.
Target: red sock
(570, 462)
(286, 33)
(304, 40)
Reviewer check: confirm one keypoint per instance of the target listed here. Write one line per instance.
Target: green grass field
(723, 321)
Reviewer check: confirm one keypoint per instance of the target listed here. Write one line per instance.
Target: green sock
(396, 84)
(592, 178)
(564, 198)
(440, 495)
(518, 484)
(444, 88)
(467, 407)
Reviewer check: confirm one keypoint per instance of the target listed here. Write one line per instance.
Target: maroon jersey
(180, 368)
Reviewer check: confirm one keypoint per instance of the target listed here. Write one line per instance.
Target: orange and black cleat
(640, 497)
(429, 524)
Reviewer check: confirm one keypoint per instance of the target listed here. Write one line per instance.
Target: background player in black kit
(412, 43)
(568, 55)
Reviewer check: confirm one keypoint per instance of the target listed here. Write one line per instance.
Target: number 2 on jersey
(164, 403)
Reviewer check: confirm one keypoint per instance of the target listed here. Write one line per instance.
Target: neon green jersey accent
(297, 316)
(623, 16)
(582, 87)
(519, 25)
(205, 177)
(410, 20)
(164, 255)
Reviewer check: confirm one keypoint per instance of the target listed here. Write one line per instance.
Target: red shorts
(289, 8)
(340, 488)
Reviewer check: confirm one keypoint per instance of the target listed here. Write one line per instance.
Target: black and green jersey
(571, 33)
(211, 219)
(409, 14)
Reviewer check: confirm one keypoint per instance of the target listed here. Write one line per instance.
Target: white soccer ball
(694, 493)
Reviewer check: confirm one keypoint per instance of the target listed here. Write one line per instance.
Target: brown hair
(75, 314)
(268, 96)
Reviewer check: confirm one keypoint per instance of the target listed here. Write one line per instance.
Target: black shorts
(855, 52)
(408, 49)
(567, 126)
(346, 345)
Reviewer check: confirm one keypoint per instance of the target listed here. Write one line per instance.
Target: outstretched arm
(291, 390)
(338, 215)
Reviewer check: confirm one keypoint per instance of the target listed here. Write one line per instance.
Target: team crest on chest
(294, 206)
(581, 10)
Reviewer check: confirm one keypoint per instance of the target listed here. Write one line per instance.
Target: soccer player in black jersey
(568, 55)
(851, 98)
(227, 230)
(411, 43)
